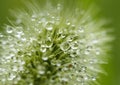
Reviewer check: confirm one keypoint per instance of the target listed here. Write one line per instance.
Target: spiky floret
(52, 46)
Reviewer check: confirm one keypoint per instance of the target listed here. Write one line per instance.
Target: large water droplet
(49, 26)
(64, 46)
(74, 45)
(43, 48)
(9, 29)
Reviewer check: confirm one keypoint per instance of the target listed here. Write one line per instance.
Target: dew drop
(81, 29)
(23, 39)
(33, 17)
(93, 78)
(64, 46)
(3, 80)
(49, 26)
(95, 41)
(43, 48)
(1, 35)
(49, 43)
(64, 79)
(9, 29)
(44, 58)
(68, 23)
(41, 72)
(74, 45)
(87, 52)
(58, 6)
(12, 76)
(15, 68)
(97, 52)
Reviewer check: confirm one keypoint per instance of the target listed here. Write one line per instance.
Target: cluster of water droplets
(47, 47)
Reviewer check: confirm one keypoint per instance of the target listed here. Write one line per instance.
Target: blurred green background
(110, 9)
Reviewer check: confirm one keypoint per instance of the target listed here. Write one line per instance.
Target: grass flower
(52, 44)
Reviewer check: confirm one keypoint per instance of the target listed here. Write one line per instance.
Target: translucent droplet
(74, 45)
(64, 79)
(83, 68)
(64, 46)
(49, 43)
(9, 29)
(21, 68)
(1, 35)
(81, 29)
(23, 39)
(33, 17)
(89, 47)
(93, 78)
(12, 76)
(49, 26)
(95, 41)
(3, 80)
(58, 6)
(41, 72)
(15, 68)
(97, 52)
(44, 58)
(43, 48)
(87, 52)
(68, 23)
(86, 78)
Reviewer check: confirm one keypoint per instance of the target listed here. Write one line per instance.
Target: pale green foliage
(52, 46)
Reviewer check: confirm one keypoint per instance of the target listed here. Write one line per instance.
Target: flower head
(52, 45)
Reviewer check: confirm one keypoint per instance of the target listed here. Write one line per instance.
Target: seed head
(52, 45)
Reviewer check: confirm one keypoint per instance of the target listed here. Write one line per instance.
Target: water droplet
(15, 68)
(81, 29)
(74, 45)
(97, 52)
(44, 58)
(64, 46)
(93, 78)
(83, 68)
(41, 72)
(3, 80)
(1, 35)
(12, 76)
(23, 39)
(33, 17)
(89, 47)
(9, 29)
(68, 23)
(49, 26)
(21, 68)
(43, 48)
(87, 52)
(95, 41)
(58, 6)
(49, 43)
(64, 79)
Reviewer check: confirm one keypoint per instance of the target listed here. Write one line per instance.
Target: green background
(110, 9)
